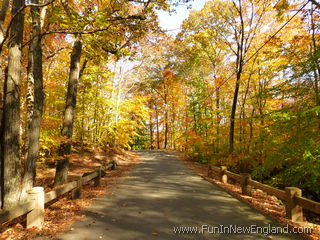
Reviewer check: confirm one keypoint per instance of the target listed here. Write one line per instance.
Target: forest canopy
(237, 86)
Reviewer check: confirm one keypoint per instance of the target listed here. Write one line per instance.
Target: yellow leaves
(167, 74)
(282, 5)
(218, 81)
(64, 25)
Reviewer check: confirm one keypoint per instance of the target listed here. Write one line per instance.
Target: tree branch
(6, 35)
(315, 3)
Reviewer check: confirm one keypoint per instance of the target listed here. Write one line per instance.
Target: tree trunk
(186, 129)
(166, 126)
(239, 66)
(217, 147)
(62, 167)
(11, 128)
(35, 78)
(251, 129)
(151, 127)
(95, 120)
(157, 126)
(195, 126)
(241, 50)
(233, 113)
(3, 13)
(173, 128)
(1, 138)
(240, 130)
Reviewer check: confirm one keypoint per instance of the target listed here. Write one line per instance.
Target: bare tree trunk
(2, 138)
(173, 129)
(205, 124)
(239, 68)
(166, 127)
(251, 129)
(157, 126)
(3, 13)
(233, 112)
(62, 167)
(186, 128)
(95, 113)
(118, 100)
(11, 128)
(217, 147)
(35, 78)
(240, 130)
(151, 128)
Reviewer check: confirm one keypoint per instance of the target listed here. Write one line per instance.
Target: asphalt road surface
(161, 197)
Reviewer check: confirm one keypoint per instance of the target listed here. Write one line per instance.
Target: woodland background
(238, 86)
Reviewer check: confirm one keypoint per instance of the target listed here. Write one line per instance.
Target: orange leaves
(219, 81)
(61, 214)
(167, 74)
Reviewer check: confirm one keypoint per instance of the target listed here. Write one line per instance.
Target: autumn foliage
(239, 86)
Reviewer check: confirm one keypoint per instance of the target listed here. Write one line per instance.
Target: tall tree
(114, 29)
(11, 128)
(68, 120)
(3, 13)
(248, 20)
(35, 83)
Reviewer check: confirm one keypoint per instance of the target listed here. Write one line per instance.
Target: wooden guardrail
(37, 198)
(291, 196)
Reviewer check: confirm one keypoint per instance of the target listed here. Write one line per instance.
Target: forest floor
(269, 205)
(62, 213)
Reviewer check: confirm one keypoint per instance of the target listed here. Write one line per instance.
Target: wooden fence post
(223, 176)
(77, 192)
(97, 180)
(293, 211)
(245, 187)
(35, 218)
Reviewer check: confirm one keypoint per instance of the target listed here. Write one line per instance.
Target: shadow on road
(161, 194)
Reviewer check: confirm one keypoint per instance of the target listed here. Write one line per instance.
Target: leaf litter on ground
(261, 201)
(60, 215)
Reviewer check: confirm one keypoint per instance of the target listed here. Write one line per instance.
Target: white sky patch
(173, 21)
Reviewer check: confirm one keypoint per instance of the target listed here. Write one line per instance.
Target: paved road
(160, 194)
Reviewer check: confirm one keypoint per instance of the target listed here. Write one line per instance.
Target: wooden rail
(34, 207)
(49, 196)
(268, 189)
(233, 176)
(312, 206)
(291, 196)
(8, 215)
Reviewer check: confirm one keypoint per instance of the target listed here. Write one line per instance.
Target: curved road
(159, 196)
